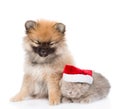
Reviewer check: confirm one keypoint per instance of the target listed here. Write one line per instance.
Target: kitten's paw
(66, 100)
(85, 100)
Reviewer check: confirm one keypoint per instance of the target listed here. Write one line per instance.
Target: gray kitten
(83, 92)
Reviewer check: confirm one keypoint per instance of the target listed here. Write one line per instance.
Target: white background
(93, 31)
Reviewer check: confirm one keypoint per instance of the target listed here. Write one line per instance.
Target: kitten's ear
(60, 27)
(29, 25)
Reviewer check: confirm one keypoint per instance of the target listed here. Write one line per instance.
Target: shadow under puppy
(46, 56)
(83, 86)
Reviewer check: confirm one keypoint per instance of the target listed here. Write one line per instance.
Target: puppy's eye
(52, 43)
(36, 42)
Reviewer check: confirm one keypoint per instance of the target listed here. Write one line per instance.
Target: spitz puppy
(46, 56)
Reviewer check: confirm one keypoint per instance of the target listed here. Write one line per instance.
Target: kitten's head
(73, 89)
(44, 38)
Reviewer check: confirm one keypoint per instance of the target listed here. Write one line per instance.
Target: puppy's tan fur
(42, 74)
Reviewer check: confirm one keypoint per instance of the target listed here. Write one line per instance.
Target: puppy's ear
(30, 25)
(60, 27)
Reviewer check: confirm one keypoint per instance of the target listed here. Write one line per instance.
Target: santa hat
(74, 74)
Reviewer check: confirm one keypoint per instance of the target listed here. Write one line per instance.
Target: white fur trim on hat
(78, 78)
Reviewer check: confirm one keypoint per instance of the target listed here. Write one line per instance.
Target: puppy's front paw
(54, 100)
(16, 98)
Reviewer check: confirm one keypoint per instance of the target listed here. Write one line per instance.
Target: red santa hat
(74, 74)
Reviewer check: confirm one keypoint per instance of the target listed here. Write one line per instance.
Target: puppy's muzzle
(42, 51)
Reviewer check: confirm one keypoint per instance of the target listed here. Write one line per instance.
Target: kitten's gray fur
(83, 92)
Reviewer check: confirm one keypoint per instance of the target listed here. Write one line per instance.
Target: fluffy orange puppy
(46, 56)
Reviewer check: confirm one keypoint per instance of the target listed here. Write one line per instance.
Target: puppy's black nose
(43, 52)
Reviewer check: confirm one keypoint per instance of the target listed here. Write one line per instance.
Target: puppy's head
(44, 38)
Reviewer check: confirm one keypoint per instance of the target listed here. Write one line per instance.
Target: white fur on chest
(37, 71)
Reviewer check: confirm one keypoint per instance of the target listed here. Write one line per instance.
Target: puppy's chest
(38, 71)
